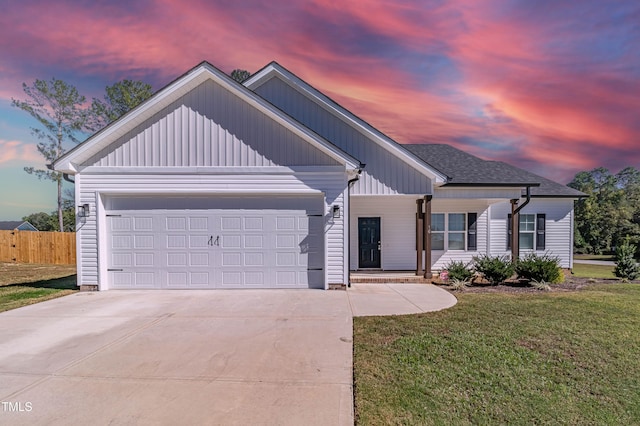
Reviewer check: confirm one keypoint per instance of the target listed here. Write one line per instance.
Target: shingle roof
(10, 225)
(464, 169)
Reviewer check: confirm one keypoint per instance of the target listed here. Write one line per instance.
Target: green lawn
(552, 358)
(609, 257)
(593, 271)
(24, 284)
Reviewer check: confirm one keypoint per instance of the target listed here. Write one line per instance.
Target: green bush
(626, 266)
(495, 269)
(543, 268)
(458, 270)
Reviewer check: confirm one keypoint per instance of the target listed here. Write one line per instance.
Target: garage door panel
(250, 248)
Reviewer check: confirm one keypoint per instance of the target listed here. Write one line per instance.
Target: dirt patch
(19, 273)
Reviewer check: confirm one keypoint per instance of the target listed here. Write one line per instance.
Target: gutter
(350, 183)
(65, 176)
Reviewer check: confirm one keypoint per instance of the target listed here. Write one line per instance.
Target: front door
(369, 242)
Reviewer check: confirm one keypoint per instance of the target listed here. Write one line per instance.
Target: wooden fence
(57, 248)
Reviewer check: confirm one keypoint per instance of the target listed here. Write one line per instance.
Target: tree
(240, 75)
(58, 108)
(42, 221)
(119, 99)
(626, 266)
(611, 212)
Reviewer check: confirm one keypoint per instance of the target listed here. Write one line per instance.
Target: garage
(193, 242)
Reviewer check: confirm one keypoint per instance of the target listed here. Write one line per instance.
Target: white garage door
(217, 243)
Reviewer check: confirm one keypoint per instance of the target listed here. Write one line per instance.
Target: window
(449, 231)
(457, 231)
(532, 229)
(527, 229)
(437, 231)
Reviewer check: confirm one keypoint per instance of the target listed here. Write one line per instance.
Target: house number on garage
(213, 242)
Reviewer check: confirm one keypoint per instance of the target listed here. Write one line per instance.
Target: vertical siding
(210, 126)
(384, 173)
(559, 228)
(90, 185)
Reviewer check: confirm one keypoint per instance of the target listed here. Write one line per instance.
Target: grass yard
(548, 358)
(583, 270)
(608, 257)
(25, 284)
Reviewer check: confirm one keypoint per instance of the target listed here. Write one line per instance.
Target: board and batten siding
(384, 174)
(559, 227)
(210, 126)
(95, 188)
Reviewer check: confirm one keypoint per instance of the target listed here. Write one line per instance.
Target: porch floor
(377, 277)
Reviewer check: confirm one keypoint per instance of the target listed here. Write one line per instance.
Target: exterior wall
(384, 174)
(209, 126)
(559, 228)
(95, 188)
(440, 259)
(397, 228)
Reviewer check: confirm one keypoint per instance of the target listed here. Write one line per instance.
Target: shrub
(458, 285)
(626, 266)
(494, 269)
(540, 268)
(540, 285)
(459, 271)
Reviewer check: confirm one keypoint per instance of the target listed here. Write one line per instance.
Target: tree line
(63, 116)
(610, 214)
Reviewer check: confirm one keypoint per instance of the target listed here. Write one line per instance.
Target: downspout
(350, 183)
(515, 226)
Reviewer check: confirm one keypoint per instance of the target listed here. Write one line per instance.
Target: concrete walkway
(191, 357)
(397, 299)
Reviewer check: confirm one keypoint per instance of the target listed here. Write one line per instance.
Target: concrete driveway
(189, 357)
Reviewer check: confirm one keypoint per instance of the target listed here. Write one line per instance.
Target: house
(20, 225)
(271, 184)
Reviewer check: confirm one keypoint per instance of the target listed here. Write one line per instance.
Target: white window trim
(446, 231)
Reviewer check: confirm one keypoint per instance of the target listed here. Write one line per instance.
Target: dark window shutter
(541, 222)
(509, 231)
(472, 231)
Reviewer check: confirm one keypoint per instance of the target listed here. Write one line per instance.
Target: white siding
(558, 227)
(397, 228)
(210, 126)
(440, 259)
(92, 188)
(384, 174)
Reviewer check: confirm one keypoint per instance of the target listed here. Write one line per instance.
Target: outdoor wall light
(83, 210)
(335, 210)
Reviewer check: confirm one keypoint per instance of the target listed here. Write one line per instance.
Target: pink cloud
(16, 151)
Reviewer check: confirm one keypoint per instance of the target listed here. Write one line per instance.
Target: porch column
(419, 235)
(515, 231)
(427, 235)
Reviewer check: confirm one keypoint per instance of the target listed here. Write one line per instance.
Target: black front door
(369, 242)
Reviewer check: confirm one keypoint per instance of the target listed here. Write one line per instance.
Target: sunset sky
(551, 86)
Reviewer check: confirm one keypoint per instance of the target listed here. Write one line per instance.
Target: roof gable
(74, 160)
(275, 70)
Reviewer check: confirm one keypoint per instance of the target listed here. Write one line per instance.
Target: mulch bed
(570, 284)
